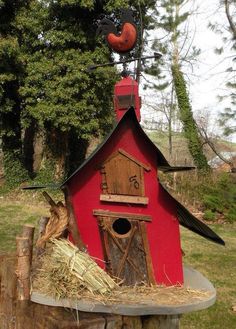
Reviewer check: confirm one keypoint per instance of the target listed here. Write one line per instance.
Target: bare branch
(230, 19)
(207, 140)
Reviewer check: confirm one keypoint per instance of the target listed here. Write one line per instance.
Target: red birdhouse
(126, 218)
(126, 95)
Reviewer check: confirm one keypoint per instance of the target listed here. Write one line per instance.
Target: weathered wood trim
(107, 213)
(126, 253)
(104, 186)
(130, 157)
(150, 271)
(124, 198)
(127, 155)
(116, 241)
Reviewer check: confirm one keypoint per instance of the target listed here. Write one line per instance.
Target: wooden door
(126, 250)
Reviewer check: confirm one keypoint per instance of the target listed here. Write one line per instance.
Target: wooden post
(28, 232)
(7, 291)
(23, 268)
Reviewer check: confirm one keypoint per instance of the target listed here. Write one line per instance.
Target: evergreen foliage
(10, 111)
(220, 198)
(214, 195)
(46, 48)
(59, 93)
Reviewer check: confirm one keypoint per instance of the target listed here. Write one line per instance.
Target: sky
(207, 80)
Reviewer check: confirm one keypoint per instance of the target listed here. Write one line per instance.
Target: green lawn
(15, 211)
(217, 263)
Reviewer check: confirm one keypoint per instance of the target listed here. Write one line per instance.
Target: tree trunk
(77, 150)
(28, 147)
(186, 117)
(52, 151)
(14, 170)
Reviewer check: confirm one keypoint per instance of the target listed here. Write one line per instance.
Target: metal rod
(156, 56)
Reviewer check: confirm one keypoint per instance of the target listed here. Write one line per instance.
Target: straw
(67, 270)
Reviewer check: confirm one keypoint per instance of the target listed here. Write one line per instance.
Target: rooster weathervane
(123, 41)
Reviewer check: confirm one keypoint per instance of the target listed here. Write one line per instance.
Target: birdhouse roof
(163, 164)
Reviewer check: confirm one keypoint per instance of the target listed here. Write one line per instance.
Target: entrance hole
(121, 226)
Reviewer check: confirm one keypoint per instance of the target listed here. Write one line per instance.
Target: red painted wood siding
(163, 231)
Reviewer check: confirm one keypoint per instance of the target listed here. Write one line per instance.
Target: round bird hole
(121, 226)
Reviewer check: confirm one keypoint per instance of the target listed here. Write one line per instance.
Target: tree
(11, 70)
(169, 23)
(61, 96)
(227, 30)
(228, 118)
(46, 87)
(211, 139)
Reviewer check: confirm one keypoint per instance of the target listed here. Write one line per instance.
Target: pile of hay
(67, 272)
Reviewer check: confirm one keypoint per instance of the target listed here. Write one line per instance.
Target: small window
(125, 101)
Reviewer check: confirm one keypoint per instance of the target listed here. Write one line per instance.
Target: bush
(220, 197)
(214, 194)
(209, 215)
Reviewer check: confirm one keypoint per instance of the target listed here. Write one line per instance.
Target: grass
(217, 263)
(17, 209)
